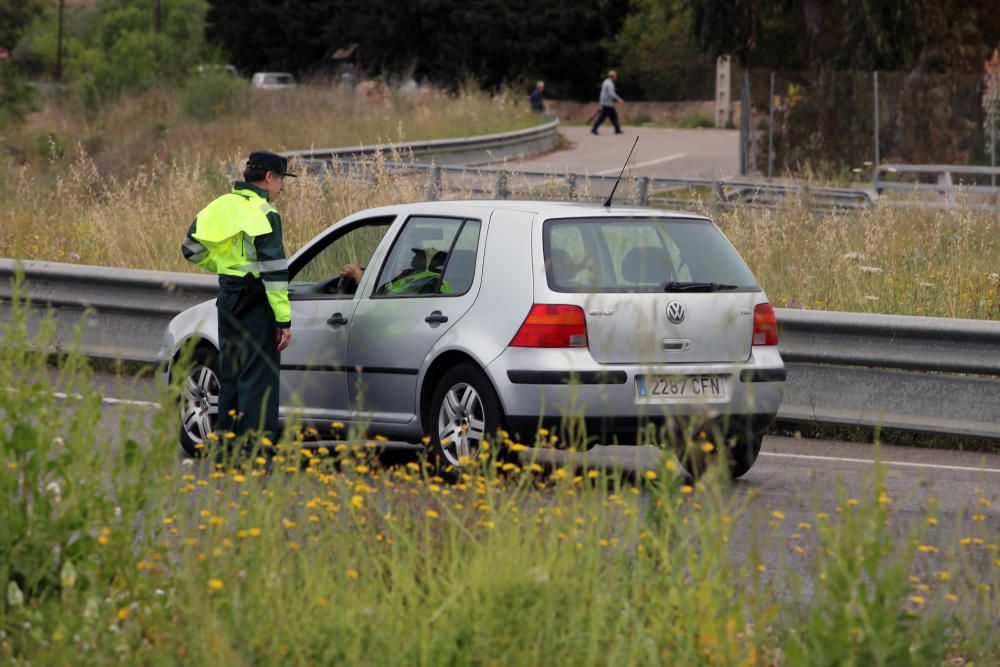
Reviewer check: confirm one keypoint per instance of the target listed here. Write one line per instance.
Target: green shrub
(209, 95)
(16, 97)
(50, 146)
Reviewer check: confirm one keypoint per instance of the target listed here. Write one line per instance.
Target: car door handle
(337, 320)
(436, 318)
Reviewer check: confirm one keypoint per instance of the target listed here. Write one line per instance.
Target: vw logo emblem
(675, 312)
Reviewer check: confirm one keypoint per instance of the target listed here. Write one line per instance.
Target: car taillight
(765, 325)
(552, 325)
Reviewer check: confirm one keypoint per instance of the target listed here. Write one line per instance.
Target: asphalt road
(664, 152)
(794, 476)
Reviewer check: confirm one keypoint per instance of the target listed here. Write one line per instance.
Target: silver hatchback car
(475, 316)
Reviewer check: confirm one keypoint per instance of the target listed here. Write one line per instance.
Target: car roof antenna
(607, 202)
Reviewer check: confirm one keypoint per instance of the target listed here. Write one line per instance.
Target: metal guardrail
(945, 182)
(462, 150)
(922, 374)
(504, 181)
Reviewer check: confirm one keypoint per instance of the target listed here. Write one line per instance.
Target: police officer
(238, 236)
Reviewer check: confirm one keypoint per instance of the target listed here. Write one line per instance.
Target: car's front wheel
(199, 401)
(465, 412)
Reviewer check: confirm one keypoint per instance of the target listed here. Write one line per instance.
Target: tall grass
(882, 260)
(142, 131)
(112, 550)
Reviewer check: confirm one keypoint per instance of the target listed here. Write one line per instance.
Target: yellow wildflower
(215, 584)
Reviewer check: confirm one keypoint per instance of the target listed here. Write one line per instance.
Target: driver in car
(420, 277)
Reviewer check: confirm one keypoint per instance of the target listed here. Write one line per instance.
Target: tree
(657, 56)
(446, 41)
(15, 17)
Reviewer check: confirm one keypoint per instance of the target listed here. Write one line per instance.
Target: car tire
(743, 453)
(464, 409)
(742, 450)
(199, 401)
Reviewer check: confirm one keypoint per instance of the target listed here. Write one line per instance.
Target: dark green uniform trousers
(249, 361)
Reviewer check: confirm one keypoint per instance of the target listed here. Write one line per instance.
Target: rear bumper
(537, 389)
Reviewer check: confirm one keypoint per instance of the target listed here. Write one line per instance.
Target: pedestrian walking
(607, 101)
(538, 98)
(238, 236)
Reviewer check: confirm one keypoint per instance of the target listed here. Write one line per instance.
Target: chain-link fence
(832, 123)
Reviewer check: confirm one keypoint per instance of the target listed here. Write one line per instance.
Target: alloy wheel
(200, 403)
(461, 423)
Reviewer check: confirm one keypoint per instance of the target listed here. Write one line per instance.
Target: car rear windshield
(641, 255)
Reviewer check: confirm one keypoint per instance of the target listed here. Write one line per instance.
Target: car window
(639, 254)
(431, 256)
(322, 267)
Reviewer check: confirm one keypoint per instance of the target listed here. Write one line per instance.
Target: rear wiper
(675, 286)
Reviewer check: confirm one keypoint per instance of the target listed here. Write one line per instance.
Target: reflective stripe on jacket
(240, 233)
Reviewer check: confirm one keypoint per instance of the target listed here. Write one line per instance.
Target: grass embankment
(111, 549)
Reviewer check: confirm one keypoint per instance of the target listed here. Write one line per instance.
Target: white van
(272, 80)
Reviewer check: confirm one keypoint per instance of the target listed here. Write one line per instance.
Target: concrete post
(500, 190)
(723, 104)
(434, 184)
(571, 186)
(641, 194)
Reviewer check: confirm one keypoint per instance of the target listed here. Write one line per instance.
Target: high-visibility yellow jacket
(240, 233)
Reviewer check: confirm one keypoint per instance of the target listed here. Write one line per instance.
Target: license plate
(680, 387)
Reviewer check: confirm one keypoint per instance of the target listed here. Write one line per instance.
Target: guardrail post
(641, 193)
(719, 195)
(571, 185)
(500, 190)
(434, 184)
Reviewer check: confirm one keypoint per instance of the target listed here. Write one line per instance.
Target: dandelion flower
(778, 515)
(707, 447)
(215, 584)
(357, 502)
(687, 488)
(650, 474)
(431, 514)
(123, 613)
(918, 599)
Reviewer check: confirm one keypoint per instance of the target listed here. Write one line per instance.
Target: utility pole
(156, 16)
(59, 37)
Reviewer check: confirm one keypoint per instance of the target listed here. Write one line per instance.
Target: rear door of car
(427, 282)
